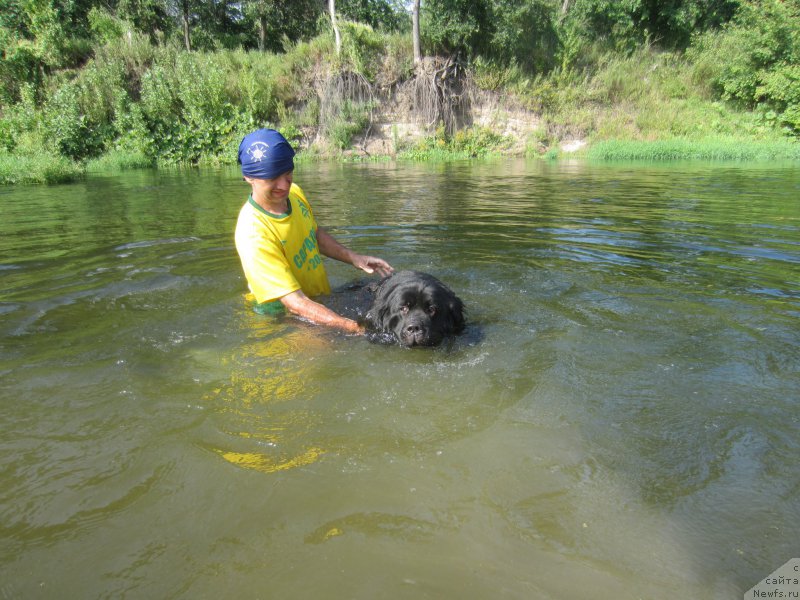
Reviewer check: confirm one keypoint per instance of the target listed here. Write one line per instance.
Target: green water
(619, 421)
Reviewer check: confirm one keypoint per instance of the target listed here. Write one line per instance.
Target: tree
(261, 11)
(505, 31)
(415, 33)
(185, 21)
(755, 60)
(379, 14)
(626, 24)
(148, 16)
(273, 21)
(337, 35)
(455, 26)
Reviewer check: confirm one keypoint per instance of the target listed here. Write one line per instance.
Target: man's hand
(372, 264)
(333, 249)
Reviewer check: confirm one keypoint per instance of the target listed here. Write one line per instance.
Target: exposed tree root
(439, 94)
(339, 93)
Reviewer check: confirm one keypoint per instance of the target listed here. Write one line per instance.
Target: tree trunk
(565, 7)
(415, 32)
(262, 33)
(337, 35)
(186, 39)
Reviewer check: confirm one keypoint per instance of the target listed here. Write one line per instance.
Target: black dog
(416, 308)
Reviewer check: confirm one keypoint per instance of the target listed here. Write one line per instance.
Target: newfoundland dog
(416, 309)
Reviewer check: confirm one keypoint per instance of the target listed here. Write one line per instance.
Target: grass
(653, 105)
(118, 160)
(709, 149)
(38, 169)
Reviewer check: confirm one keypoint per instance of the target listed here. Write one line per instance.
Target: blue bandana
(265, 154)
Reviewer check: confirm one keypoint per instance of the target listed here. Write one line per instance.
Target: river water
(620, 419)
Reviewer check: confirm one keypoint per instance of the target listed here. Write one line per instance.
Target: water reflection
(264, 411)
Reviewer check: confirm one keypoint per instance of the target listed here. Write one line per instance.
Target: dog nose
(413, 329)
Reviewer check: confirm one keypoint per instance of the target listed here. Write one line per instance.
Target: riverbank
(193, 110)
(466, 145)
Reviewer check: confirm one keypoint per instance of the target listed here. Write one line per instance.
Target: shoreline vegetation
(730, 92)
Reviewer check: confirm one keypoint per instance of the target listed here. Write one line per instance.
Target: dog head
(417, 309)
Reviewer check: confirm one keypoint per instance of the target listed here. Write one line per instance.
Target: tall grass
(647, 95)
(713, 149)
(40, 169)
(119, 160)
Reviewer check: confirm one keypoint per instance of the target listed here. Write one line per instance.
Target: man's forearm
(301, 305)
(333, 249)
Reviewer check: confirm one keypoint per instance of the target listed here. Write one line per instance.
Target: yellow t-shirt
(279, 253)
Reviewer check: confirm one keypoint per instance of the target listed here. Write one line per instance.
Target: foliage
(537, 34)
(455, 26)
(352, 118)
(38, 36)
(755, 60)
(148, 17)
(362, 49)
(504, 31)
(623, 25)
(646, 95)
(69, 128)
(524, 33)
(389, 15)
(270, 24)
(476, 142)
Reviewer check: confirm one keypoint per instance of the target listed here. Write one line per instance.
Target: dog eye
(404, 309)
(432, 309)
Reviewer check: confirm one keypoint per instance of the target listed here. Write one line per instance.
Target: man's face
(274, 190)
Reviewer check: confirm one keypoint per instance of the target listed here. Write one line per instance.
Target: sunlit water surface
(619, 421)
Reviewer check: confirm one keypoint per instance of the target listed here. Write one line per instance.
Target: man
(278, 240)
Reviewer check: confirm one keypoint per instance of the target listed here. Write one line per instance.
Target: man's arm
(333, 249)
(301, 305)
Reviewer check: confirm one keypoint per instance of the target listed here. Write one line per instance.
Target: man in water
(278, 240)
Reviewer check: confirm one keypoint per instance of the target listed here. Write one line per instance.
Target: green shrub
(104, 26)
(362, 49)
(72, 132)
(476, 142)
(754, 61)
(353, 117)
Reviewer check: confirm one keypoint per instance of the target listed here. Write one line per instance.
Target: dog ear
(456, 313)
(380, 312)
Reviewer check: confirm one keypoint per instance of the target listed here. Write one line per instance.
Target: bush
(74, 134)
(362, 49)
(476, 142)
(754, 61)
(352, 118)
